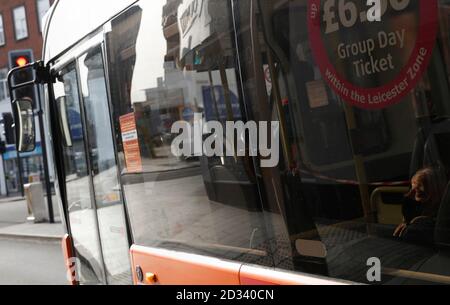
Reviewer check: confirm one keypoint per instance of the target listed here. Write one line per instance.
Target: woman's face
(419, 190)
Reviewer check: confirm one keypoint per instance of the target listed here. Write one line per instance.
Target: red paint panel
(176, 268)
(66, 244)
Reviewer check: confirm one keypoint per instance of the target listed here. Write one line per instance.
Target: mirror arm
(43, 74)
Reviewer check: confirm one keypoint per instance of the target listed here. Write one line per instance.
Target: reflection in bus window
(196, 204)
(110, 210)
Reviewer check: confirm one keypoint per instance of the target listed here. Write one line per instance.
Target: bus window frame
(75, 63)
(71, 56)
(93, 48)
(105, 58)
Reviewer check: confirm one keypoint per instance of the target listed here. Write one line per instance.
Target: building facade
(21, 25)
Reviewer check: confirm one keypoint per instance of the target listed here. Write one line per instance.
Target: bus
(359, 92)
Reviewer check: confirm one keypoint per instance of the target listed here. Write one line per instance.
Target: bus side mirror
(24, 125)
(64, 121)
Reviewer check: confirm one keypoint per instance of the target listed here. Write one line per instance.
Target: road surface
(28, 262)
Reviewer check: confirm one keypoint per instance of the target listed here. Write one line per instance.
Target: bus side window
(349, 169)
(164, 79)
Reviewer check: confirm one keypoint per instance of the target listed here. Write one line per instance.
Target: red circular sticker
(372, 55)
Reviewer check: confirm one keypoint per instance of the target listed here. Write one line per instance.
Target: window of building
(2, 32)
(20, 23)
(42, 8)
(3, 84)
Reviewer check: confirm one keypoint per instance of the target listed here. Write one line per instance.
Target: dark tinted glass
(344, 183)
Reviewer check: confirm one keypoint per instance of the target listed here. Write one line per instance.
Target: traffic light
(21, 58)
(8, 128)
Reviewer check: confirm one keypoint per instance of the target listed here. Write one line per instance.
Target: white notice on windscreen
(317, 94)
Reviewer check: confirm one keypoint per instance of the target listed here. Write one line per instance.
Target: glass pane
(20, 23)
(3, 84)
(2, 90)
(110, 209)
(365, 109)
(82, 216)
(205, 205)
(2, 31)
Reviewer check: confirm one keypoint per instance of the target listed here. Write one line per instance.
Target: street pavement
(12, 211)
(28, 262)
(30, 253)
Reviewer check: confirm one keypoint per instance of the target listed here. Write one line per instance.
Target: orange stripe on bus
(66, 244)
(176, 268)
(167, 267)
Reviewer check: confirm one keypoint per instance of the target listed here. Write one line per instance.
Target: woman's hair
(432, 183)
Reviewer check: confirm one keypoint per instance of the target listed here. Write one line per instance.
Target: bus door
(95, 206)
